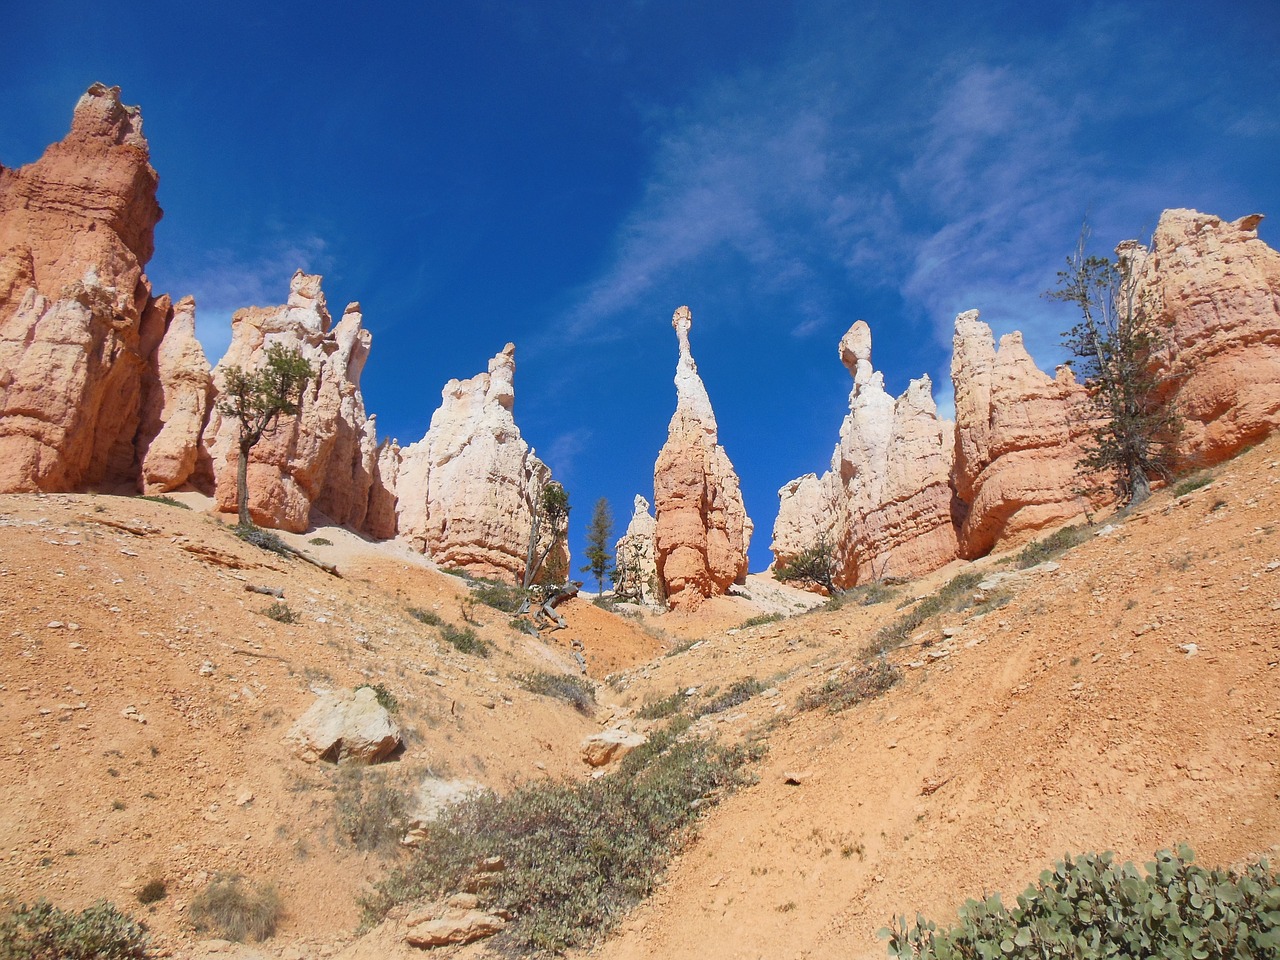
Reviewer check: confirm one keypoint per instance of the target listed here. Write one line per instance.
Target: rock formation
(467, 490)
(75, 234)
(702, 530)
(175, 401)
(1018, 438)
(345, 725)
(1217, 287)
(637, 575)
(325, 456)
(885, 507)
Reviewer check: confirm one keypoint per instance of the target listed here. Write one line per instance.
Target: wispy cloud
(223, 281)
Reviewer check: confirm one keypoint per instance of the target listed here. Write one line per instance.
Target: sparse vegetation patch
(236, 910)
(368, 812)
(760, 621)
(280, 612)
(956, 594)
(320, 542)
(386, 699)
(464, 640)
(1054, 545)
(1192, 484)
(1092, 908)
(167, 501)
(847, 688)
(574, 856)
(576, 691)
(42, 931)
(500, 596)
(263, 539)
(429, 617)
(658, 709)
(739, 692)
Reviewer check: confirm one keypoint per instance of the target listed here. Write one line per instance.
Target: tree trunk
(242, 484)
(1139, 486)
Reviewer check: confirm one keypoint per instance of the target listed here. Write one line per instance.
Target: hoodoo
(702, 529)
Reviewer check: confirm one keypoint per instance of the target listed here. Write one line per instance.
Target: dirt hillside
(1124, 699)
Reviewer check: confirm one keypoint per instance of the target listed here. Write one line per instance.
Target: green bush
(236, 910)
(1091, 908)
(576, 691)
(368, 812)
(1192, 483)
(852, 687)
(386, 699)
(657, 709)
(45, 932)
(1056, 544)
(575, 856)
(263, 539)
(281, 613)
(500, 596)
(739, 692)
(320, 542)
(429, 617)
(167, 501)
(464, 640)
(760, 620)
(956, 594)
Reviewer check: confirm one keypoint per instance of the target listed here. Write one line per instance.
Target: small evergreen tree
(816, 565)
(599, 533)
(256, 399)
(1118, 346)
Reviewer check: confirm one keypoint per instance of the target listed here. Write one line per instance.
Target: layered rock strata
(322, 458)
(1216, 287)
(1018, 437)
(467, 490)
(885, 507)
(76, 232)
(702, 530)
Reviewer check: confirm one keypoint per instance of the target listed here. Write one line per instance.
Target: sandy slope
(1069, 719)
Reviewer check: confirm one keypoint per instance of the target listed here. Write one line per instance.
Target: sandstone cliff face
(324, 457)
(175, 402)
(1217, 286)
(466, 491)
(1018, 438)
(702, 530)
(885, 507)
(75, 233)
(637, 575)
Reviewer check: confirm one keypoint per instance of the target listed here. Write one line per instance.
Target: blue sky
(565, 173)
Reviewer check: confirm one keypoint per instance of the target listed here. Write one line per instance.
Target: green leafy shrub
(236, 910)
(320, 542)
(464, 640)
(658, 709)
(167, 501)
(851, 687)
(760, 620)
(956, 594)
(1093, 908)
(263, 539)
(45, 932)
(386, 699)
(579, 693)
(575, 856)
(1054, 545)
(281, 613)
(367, 811)
(739, 692)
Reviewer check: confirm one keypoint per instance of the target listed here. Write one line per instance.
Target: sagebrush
(576, 856)
(234, 909)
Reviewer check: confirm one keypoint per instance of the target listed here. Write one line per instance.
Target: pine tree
(256, 400)
(1118, 345)
(599, 533)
